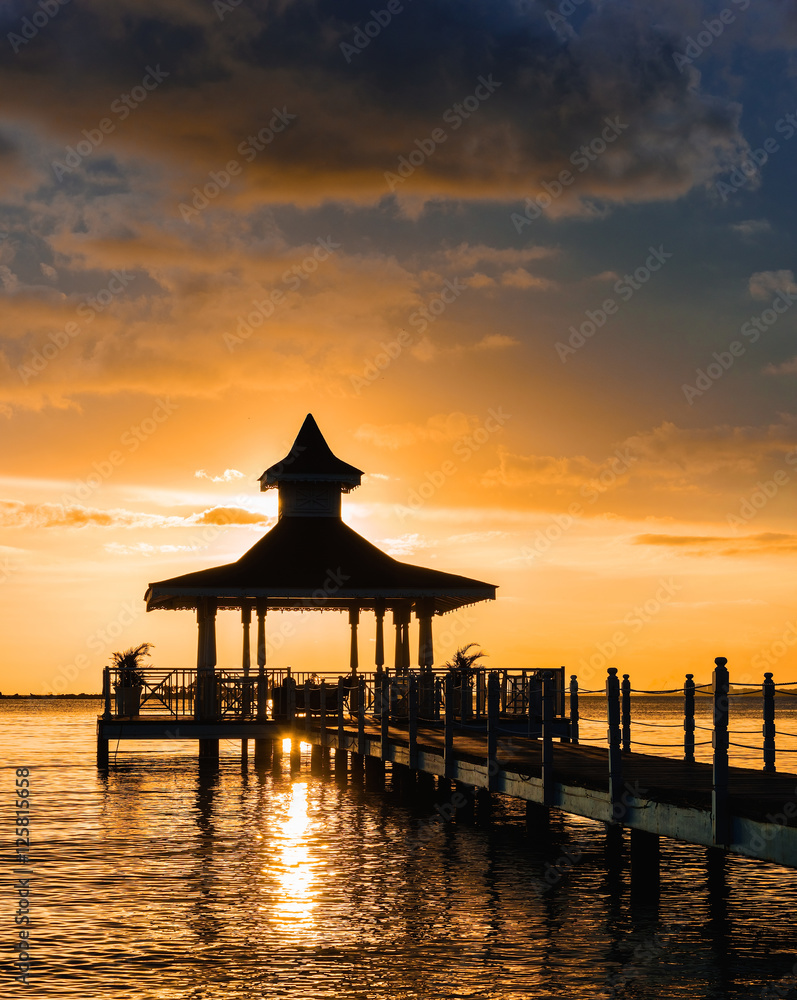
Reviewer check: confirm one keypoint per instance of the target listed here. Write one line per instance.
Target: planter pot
(128, 701)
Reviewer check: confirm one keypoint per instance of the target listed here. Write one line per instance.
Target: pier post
(448, 732)
(769, 722)
(574, 708)
(465, 702)
(102, 750)
(385, 719)
(244, 753)
(547, 737)
(689, 719)
(613, 737)
(645, 869)
(307, 691)
(438, 698)
(290, 689)
(412, 727)
(262, 752)
(493, 709)
(504, 681)
(316, 758)
(720, 826)
(341, 720)
(374, 773)
(626, 713)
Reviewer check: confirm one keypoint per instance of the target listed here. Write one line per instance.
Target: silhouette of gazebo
(311, 560)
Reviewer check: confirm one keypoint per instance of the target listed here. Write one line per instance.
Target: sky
(530, 265)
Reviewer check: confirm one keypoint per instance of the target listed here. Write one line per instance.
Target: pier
(513, 733)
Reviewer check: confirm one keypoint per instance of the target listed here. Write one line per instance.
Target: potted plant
(462, 666)
(129, 678)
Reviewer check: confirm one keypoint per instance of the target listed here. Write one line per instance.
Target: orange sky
(539, 382)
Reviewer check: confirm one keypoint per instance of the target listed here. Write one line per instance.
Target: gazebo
(311, 560)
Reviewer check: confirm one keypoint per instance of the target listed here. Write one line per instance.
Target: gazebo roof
(311, 558)
(317, 563)
(311, 459)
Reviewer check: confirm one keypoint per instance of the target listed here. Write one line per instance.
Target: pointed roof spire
(311, 460)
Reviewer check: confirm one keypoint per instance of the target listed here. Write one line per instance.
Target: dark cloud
(360, 109)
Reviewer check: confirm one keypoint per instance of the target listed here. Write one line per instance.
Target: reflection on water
(169, 880)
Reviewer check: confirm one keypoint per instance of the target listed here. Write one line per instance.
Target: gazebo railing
(232, 694)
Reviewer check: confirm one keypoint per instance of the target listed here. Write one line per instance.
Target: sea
(161, 878)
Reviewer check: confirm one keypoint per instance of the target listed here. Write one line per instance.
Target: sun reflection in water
(295, 868)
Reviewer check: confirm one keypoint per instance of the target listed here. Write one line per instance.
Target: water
(159, 881)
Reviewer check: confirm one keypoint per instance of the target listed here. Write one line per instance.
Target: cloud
(522, 279)
(784, 368)
(228, 476)
(442, 428)
(765, 543)
(467, 256)
(18, 514)
(752, 227)
(355, 118)
(765, 284)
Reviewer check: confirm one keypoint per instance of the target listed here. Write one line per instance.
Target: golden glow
(295, 866)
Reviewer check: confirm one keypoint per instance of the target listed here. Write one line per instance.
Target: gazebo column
(205, 695)
(246, 663)
(354, 659)
(379, 652)
(398, 658)
(424, 609)
(262, 746)
(405, 641)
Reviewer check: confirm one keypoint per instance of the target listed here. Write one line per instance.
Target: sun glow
(296, 866)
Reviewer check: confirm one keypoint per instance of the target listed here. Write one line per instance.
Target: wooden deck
(663, 796)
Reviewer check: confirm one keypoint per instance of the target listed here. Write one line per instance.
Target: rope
(659, 725)
(664, 691)
(744, 746)
(639, 743)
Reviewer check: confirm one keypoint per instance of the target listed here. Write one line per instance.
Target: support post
(341, 701)
(354, 658)
(689, 719)
(448, 738)
(412, 697)
(720, 826)
(361, 716)
(246, 658)
(106, 690)
(465, 701)
(769, 722)
(290, 697)
(626, 713)
(547, 736)
(493, 710)
(385, 719)
(574, 708)
(398, 657)
(307, 691)
(503, 691)
(438, 699)
(613, 737)
(322, 696)
(379, 651)
(102, 751)
(261, 608)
